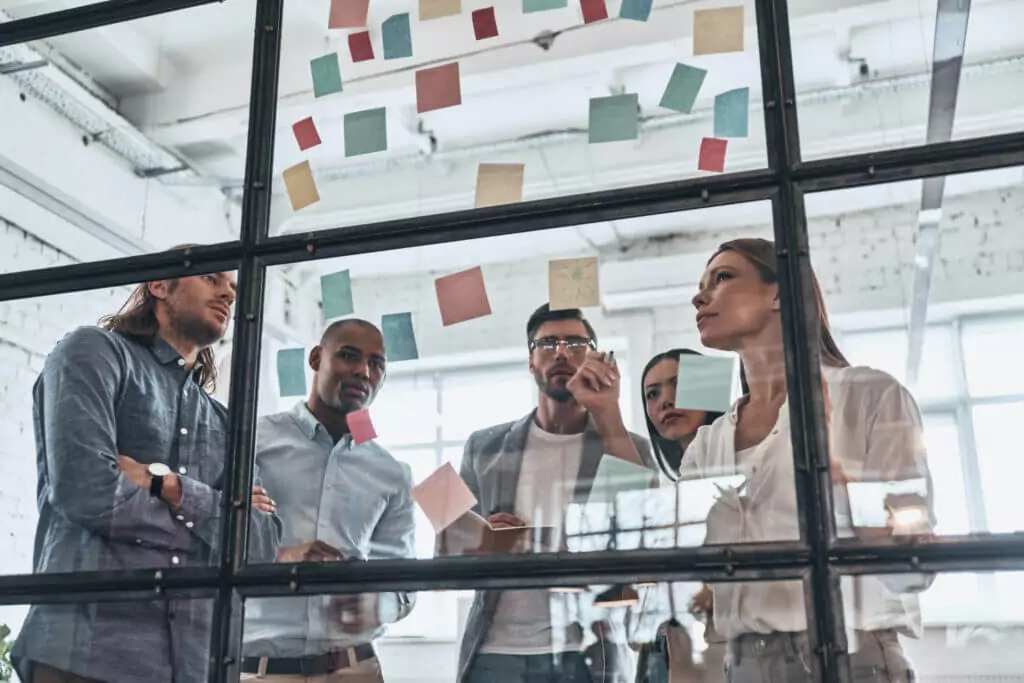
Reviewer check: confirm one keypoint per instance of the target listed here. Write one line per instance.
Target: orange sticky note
(298, 181)
(435, 9)
(462, 296)
(361, 426)
(443, 497)
(712, 155)
(438, 87)
(348, 13)
(718, 30)
(499, 184)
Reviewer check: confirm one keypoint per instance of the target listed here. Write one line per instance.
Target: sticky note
(462, 296)
(336, 295)
(396, 36)
(438, 87)
(484, 23)
(615, 476)
(298, 181)
(443, 497)
(704, 383)
(732, 113)
(572, 283)
(360, 47)
(614, 118)
(683, 88)
(593, 10)
(399, 339)
(637, 10)
(326, 75)
(348, 13)
(366, 132)
(306, 134)
(712, 155)
(718, 30)
(542, 5)
(361, 426)
(291, 372)
(499, 184)
(435, 9)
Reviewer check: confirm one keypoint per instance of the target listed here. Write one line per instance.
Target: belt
(310, 665)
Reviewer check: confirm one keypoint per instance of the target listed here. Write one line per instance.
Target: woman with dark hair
(874, 435)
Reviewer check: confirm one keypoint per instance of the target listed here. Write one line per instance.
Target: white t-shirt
(522, 623)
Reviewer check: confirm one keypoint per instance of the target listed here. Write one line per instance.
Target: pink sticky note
(348, 13)
(712, 155)
(438, 87)
(593, 10)
(462, 296)
(443, 497)
(361, 426)
(305, 133)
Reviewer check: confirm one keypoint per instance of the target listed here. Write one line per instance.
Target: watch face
(158, 469)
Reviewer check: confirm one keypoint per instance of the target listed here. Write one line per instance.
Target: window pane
(989, 347)
(887, 350)
(485, 398)
(942, 439)
(407, 412)
(996, 431)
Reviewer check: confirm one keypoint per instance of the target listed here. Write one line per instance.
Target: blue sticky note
(396, 36)
(291, 372)
(614, 118)
(704, 383)
(399, 339)
(683, 87)
(637, 10)
(366, 132)
(326, 75)
(732, 114)
(336, 294)
(542, 5)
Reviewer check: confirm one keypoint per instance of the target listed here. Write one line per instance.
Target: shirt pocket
(355, 513)
(207, 462)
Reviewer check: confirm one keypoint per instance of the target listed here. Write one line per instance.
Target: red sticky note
(305, 134)
(438, 87)
(348, 13)
(462, 296)
(360, 47)
(712, 155)
(361, 426)
(593, 10)
(484, 23)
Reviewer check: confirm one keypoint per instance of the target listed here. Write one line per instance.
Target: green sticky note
(732, 114)
(704, 383)
(614, 118)
(683, 87)
(542, 5)
(326, 75)
(336, 293)
(637, 10)
(615, 476)
(291, 372)
(397, 37)
(366, 132)
(399, 339)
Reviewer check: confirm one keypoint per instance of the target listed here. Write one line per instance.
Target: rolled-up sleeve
(394, 538)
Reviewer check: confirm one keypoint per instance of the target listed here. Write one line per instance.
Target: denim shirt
(102, 394)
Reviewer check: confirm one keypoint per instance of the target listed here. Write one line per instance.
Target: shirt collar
(829, 372)
(167, 354)
(308, 423)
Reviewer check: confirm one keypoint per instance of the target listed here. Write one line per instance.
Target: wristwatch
(157, 472)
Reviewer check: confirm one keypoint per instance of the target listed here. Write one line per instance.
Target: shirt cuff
(198, 503)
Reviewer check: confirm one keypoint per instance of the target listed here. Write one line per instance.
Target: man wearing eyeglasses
(530, 472)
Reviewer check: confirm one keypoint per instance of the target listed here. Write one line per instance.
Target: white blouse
(875, 434)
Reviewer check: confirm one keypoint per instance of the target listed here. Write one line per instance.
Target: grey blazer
(491, 463)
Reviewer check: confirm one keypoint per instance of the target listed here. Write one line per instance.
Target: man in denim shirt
(130, 449)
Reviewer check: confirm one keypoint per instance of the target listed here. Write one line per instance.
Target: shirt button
(175, 560)
(182, 470)
(138, 541)
(189, 525)
(183, 431)
(181, 518)
(181, 362)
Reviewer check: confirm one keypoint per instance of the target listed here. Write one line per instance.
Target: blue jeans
(565, 667)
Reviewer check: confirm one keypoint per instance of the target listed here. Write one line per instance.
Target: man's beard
(551, 389)
(195, 328)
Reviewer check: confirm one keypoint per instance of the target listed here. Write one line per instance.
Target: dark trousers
(565, 667)
(47, 674)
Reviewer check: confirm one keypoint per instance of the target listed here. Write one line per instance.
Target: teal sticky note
(704, 383)
(399, 339)
(397, 37)
(637, 10)
(615, 476)
(683, 87)
(291, 372)
(336, 294)
(366, 132)
(542, 5)
(326, 75)
(732, 114)
(614, 118)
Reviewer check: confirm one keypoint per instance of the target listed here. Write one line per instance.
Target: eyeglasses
(574, 346)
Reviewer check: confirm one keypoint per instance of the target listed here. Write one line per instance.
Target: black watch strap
(156, 485)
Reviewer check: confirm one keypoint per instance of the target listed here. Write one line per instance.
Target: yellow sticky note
(499, 184)
(435, 9)
(298, 180)
(572, 283)
(718, 30)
